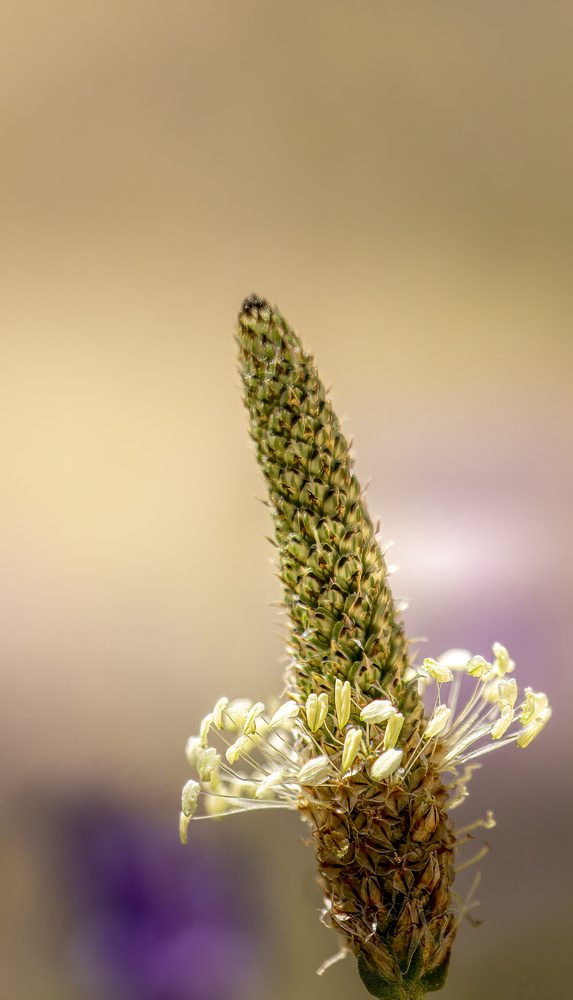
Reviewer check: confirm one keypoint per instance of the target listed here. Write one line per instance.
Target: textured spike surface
(384, 849)
(332, 569)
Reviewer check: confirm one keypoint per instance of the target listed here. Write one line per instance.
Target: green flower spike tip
(351, 747)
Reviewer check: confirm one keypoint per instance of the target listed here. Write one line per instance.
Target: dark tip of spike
(253, 304)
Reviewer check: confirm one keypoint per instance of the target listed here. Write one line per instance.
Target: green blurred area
(397, 177)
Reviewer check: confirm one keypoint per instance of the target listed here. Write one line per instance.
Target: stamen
(472, 861)
(204, 729)
(504, 723)
(440, 673)
(393, 730)
(342, 700)
(502, 660)
(437, 722)
(267, 783)
(488, 749)
(488, 823)
(218, 712)
(250, 725)
(315, 770)
(385, 764)
(331, 961)
(478, 667)
(233, 752)
(316, 710)
(351, 748)
(207, 762)
(508, 691)
(287, 711)
(534, 728)
(377, 711)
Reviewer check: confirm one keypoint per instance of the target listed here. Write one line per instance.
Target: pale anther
(250, 724)
(534, 728)
(233, 752)
(287, 711)
(235, 718)
(502, 659)
(204, 729)
(529, 707)
(236, 713)
(385, 764)
(377, 711)
(218, 712)
(504, 722)
(437, 722)
(342, 699)
(322, 711)
(393, 730)
(438, 671)
(183, 824)
(478, 667)
(311, 709)
(207, 762)
(267, 783)
(314, 770)
(351, 748)
(529, 733)
(508, 691)
(189, 797)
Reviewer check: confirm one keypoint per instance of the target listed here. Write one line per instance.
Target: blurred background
(397, 178)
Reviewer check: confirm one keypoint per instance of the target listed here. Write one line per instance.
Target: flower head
(351, 747)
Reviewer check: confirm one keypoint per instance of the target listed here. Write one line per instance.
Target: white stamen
(316, 710)
(438, 671)
(393, 730)
(351, 748)
(534, 728)
(183, 824)
(508, 691)
(502, 660)
(207, 762)
(314, 771)
(377, 711)
(504, 723)
(204, 729)
(250, 725)
(189, 797)
(218, 712)
(267, 783)
(331, 961)
(385, 764)
(437, 722)
(342, 699)
(236, 713)
(287, 711)
(233, 752)
(478, 667)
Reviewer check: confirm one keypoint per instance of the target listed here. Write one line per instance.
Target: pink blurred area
(397, 178)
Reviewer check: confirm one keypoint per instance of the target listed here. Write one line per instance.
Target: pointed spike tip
(253, 303)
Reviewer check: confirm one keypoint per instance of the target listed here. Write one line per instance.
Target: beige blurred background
(398, 178)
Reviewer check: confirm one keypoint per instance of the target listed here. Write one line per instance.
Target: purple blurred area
(397, 178)
(152, 921)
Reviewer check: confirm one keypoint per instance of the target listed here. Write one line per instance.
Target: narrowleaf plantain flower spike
(375, 793)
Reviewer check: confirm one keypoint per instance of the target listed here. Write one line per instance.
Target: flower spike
(373, 790)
